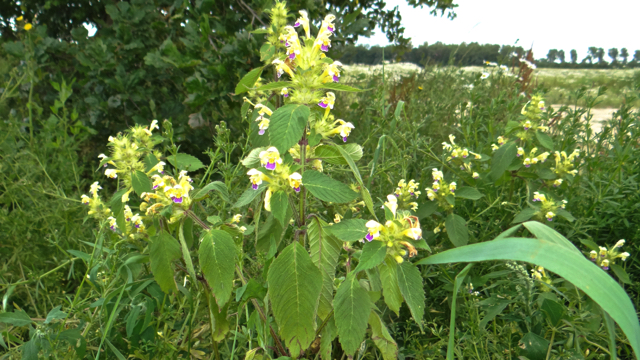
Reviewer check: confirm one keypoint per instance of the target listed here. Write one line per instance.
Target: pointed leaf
(140, 182)
(457, 229)
(280, 205)
(218, 186)
(352, 307)
(410, 283)
(55, 314)
(363, 189)
(545, 140)
(248, 196)
(327, 189)
(287, 126)
(468, 193)
(390, 289)
(332, 154)
(373, 254)
(325, 252)
(163, 249)
(248, 81)
(295, 284)
(185, 162)
(381, 337)
(502, 159)
(349, 230)
(217, 261)
(16, 318)
(524, 215)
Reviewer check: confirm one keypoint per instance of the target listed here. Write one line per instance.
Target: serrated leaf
(565, 214)
(533, 346)
(468, 193)
(30, 349)
(140, 182)
(426, 209)
(327, 335)
(332, 155)
(55, 314)
(390, 289)
(457, 229)
(381, 337)
(544, 139)
(218, 186)
(327, 189)
(16, 318)
(324, 250)
(349, 230)
(410, 284)
(341, 87)
(248, 196)
(524, 215)
(502, 159)
(287, 126)
(253, 159)
(373, 254)
(352, 307)
(185, 162)
(247, 82)
(217, 260)
(366, 196)
(279, 205)
(552, 310)
(274, 86)
(295, 284)
(266, 50)
(163, 249)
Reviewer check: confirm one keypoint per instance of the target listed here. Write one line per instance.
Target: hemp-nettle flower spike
(85, 199)
(327, 101)
(282, 68)
(236, 218)
(437, 175)
(605, 264)
(158, 181)
(550, 215)
(137, 222)
(94, 188)
(452, 187)
(593, 255)
(127, 213)
(624, 256)
(111, 173)
(520, 152)
(343, 128)
(475, 175)
(159, 167)
(270, 158)
(256, 177)
(284, 92)
(303, 21)
(603, 251)
(374, 228)
(295, 180)
(539, 197)
(619, 244)
(112, 223)
(557, 182)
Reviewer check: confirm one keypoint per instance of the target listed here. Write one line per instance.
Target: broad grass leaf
(524, 215)
(324, 250)
(218, 186)
(502, 159)
(349, 230)
(559, 259)
(352, 307)
(373, 254)
(410, 283)
(185, 162)
(247, 82)
(468, 193)
(326, 188)
(16, 318)
(390, 289)
(140, 182)
(163, 249)
(217, 261)
(280, 205)
(287, 126)
(295, 284)
(457, 229)
(381, 337)
(542, 231)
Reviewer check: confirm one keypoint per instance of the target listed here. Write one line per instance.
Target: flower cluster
(531, 158)
(168, 192)
(398, 233)
(548, 208)
(405, 194)
(460, 156)
(440, 189)
(565, 165)
(605, 257)
(97, 208)
(278, 175)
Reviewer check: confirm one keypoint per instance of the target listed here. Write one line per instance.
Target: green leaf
(253, 159)
(457, 230)
(217, 260)
(468, 193)
(557, 258)
(16, 318)
(132, 319)
(327, 335)
(115, 350)
(325, 253)
(545, 140)
(140, 182)
(341, 87)
(546, 174)
(390, 289)
(30, 349)
(327, 189)
(219, 320)
(349, 230)
(280, 205)
(248, 81)
(185, 251)
(621, 274)
(55, 314)
(457, 283)
(373, 254)
(218, 186)
(363, 189)
(410, 283)
(267, 51)
(553, 310)
(542, 231)
(565, 214)
(287, 126)
(426, 209)
(502, 159)
(381, 337)
(524, 215)
(248, 196)
(533, 346)
(295, 284)
(185, 162)
(163, 249)
(332, 154)
(274, 86)
(492, 312)
(352, 307)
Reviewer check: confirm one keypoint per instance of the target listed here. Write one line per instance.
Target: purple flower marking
(297, 24)
(594, 260)
(270, 166)
(324, 48)
(297, 189)
(549, 219)
(254, 186)
(527, 166)
(323, 104)
(113, 228)
(330, 28)
(261, 132)
(137, 226)
(336, 78)
(155, 187)
(292, 56)
(464, 156)
(286, 95)
(397, 195)
(605, 268)
(526, 128)
(369, 237)
(344, 139)
(177, 200)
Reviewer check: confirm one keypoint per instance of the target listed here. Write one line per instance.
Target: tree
(636, 56)
(600, 55)
(574, 56)
(552, 55)
(613, 54)
(592, 54)
(624, 54)
(561, 56)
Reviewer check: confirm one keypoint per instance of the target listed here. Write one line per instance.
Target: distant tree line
(474, 54)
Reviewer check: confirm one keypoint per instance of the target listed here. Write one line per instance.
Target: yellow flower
(539, 197)
(624, 256)
(20, 18)
(557, 182)
(475, 175)
(501, 140)
(343, 128)
(284, 92)
(137, 222)
(111, 173)
(374, 228)
(85, 199)
(159, 167)
(550, 215)
(593, 255)
(256, 177)
(127, 213)
(414, 206)
(437, 174)
(327, 101)
(452, 187)
(112, 223)
(413, 233)
(431, 194)
(158, 181)
(619, 244)
(270, 158)
(94, 188)
(236, 218)
(337, 218)
(28, 26)
(392, 203)
(295, 180)
(267, 200)
(282, 68)
(317, 164)
(303, 21)
(520, 151)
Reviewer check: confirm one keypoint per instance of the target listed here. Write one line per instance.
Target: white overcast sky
(545, 24)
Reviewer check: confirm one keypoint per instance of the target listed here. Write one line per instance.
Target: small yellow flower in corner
(28, 27)
(20, 18)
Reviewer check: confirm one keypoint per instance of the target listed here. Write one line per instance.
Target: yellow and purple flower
(303, 21)
(270, 158)
(374, 228)
(256, 177)
(295, 180)
(327, 101)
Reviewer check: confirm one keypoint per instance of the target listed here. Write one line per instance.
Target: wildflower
(337, 218)
(20, 18)
(399, 259)
(593, 255)
(437, 175)
(127, 213)
(282, 68)
(527, 125)
(323, 42)
(520, 152)
(317, 164)
(270, 158)
(603, 251)
(557, 182)
(605, 264)
(435, 186)
(112, 223)
(563, 204)
(464, 153)
(94, 188)
(303, 21)
(414, 206)
(267, 200)
(137, 222)
(159, 167)
(624, 256)
(242, 229)
(332, 72)
(28, 26)
(550, 215)
(158, 181)
(539, 197)
(344, 129)
(452, 187)
(154, 125)
(501, 140)
(489, 63)
(391, 203)
(85, 199)
(263, 124)
(236, 218)
(327, 24)
(541, 105)
(504, 68)
(374, 228)
(437, 229)
(431, 195)
(295, 180)
(111, 173)
(475, 175)
(177, 193)
(485, 75)
(527, 162)
(619, 244)
(327, 101)
(284, 92)
(256, 177)
(413, 233)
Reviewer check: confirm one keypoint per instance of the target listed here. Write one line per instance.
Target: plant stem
(553, 334)
(303, 160)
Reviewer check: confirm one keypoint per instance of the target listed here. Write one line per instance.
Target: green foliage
(352, 309)
(217, 255)
(326, 188)
(163, 250)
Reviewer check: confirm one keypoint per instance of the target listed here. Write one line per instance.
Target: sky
(543, 24)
